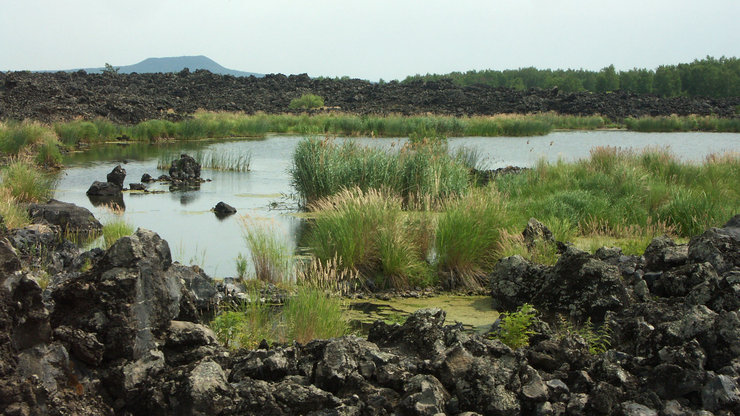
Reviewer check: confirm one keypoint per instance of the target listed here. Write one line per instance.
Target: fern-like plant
(514, 328)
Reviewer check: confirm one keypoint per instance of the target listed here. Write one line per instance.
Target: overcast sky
(387, 39)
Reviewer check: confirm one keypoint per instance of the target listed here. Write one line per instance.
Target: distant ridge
(173, 64)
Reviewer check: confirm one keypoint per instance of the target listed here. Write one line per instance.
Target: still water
(197, 236)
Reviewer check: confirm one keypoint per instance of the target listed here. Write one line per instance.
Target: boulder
(535, 232)
(579, 284)
(718, 246)
(9, 261)
(69, 217)
(137, 187)
(116, 176)
(185, 169)
(223, 209)
(146, 178)
(127, 299)
(103, 189)
(425, 396)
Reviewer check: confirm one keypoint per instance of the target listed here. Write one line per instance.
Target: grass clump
(115, 229)
(467, 236)
(421, 172)
(25, 182)
(306, 102)
(244, 325)
(13, 215)
(312, 314)
(270, 253)
(307, 314)
(515, 327)
(368, 232)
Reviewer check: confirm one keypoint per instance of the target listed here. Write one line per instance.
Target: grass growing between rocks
(115, 229)
(307, 314)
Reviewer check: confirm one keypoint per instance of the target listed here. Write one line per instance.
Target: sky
(378, 39)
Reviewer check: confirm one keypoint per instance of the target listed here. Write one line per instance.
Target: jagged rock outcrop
(121, 337)
(580, 285)
(71, 218)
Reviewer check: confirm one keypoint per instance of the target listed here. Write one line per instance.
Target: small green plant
(244, 325)
(86, 265)
(514, 327)
(306, 102)
(598, 340)
(110, 69)
(241, 266)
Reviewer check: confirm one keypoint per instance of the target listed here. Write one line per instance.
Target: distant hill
(174, 64)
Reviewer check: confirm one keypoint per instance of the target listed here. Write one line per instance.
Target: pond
(197, 236)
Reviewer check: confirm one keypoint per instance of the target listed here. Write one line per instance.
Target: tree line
(708, 77)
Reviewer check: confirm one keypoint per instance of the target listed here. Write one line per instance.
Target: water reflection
(113, 202)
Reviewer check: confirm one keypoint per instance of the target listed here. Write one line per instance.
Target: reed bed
(676, 123)
(421, 172)
(615, 189)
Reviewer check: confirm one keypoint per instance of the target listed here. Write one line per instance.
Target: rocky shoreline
(131, 98)
(120, 332)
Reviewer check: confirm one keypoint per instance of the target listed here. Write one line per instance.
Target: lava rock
(223, 209)
(116, 176)
(71, 218)
(103, 189)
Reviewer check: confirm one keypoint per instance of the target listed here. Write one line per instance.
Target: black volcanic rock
(131, 98)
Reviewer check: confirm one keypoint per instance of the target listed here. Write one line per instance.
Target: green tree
(607, 80)
(667, 81)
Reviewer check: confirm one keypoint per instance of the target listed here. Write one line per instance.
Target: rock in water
(103, 189)
(116, 176)
(185, 169)
(222, 209)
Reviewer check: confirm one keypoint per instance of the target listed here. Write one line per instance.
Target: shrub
(306, 102)
(514, 327)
